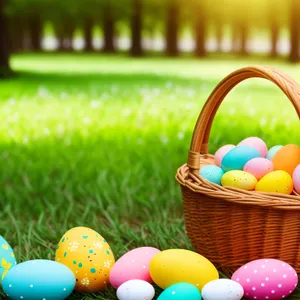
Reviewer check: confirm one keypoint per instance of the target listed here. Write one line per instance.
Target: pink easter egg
(266, 279)
(221, 153)
(259, 167)
(132, 265)
(296, 179)
(257, 143)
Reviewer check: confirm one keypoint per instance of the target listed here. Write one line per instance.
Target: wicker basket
(230, 226)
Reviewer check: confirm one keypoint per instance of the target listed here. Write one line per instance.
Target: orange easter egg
(287, 158)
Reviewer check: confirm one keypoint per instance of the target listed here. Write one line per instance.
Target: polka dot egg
(88, 255)
(266, 279)
(39, 279)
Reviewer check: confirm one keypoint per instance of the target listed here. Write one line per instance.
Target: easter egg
(177, 265)
(221, 153)
(212, 173)
(236, 158)
(132, 265)
(296, 179)
(180, 291)
(287, 158)
(276, 182)
(222, 289)
(257, 143)
(272, 152)
(39, 279)
(266, 279)
(239, 179)
(7, 258)
(88, 255)
(136, 290)
(259, 167)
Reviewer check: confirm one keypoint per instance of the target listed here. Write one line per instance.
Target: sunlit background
(172, 26)
(98, 100)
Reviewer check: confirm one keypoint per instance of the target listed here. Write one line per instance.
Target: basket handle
(199, 144)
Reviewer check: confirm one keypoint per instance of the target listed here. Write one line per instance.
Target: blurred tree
(16, 25)
(198, 13)
(4, 46)
(241, 19)
(294, 30)
(108, 27)
(136, 28)
(274, 11)
(172, 27)
(200, 30)
(35, 30)
(88, 25)
(219, 33)
(87, 13)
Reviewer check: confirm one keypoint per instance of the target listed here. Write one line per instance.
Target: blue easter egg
(212, 173)
(272, 152)
(236, 158)
(39, 279)
(7, 258)
(180, 291)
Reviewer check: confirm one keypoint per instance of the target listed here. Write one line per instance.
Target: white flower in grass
(73, 246)
(97, 244)
(85, 281)
(107, 263)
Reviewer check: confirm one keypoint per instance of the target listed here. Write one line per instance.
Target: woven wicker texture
(230, 226)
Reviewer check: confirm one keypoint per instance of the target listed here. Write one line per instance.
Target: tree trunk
(243, 39)
(136, 29)
(64, 34)
(235, 39)
(219, 35)
(109, 30)
(35, 32)
(294, 31)
(16, 34)
(274, 38)
(200, 28)
(172, 28)
(274, 11)
(4, 43)
(88, 33)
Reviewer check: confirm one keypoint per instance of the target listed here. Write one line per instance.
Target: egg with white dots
(39, 279)
(222, 289)
(266, 279)
(136, 290)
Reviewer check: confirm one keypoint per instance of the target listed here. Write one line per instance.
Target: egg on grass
(89, 256)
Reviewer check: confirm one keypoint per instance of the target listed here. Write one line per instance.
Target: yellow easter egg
(177, 265)
(276, 182)
(239, 179)
(88, 255)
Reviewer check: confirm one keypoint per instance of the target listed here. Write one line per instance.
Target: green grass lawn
(96, 141)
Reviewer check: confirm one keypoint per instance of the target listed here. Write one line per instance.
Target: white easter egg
(222, 289)
(135, 290)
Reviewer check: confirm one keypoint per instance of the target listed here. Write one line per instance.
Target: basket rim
(197, 184)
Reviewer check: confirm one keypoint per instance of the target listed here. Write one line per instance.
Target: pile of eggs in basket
(85, 262)
(251, 166)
